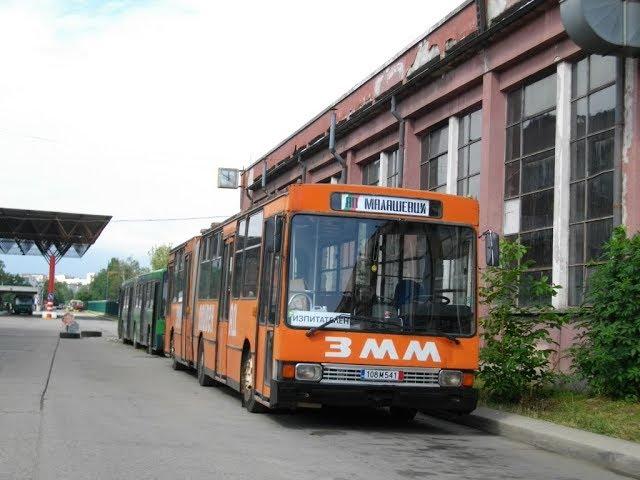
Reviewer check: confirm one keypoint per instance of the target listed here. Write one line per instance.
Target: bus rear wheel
(175, 364)
(203, 379)
(246, 385)
(149, 342)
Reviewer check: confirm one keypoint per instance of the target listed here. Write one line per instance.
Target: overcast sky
(128, 107)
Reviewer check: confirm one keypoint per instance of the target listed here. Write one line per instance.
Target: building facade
(496, 102)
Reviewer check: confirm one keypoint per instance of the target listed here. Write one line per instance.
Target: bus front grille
(352, 374)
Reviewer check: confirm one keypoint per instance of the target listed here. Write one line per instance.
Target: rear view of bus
(380, 301)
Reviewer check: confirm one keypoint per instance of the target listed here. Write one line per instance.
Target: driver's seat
(406, 292)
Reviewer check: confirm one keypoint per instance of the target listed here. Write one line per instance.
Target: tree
(106, 283)
(7, 278)
(159, 256)
(515, 359)
(608, 355)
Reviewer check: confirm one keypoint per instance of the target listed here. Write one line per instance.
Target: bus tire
(203, 379)
(402, 414)
(246, 384)
(175, 364)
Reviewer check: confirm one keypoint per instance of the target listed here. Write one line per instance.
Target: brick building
(496, 101)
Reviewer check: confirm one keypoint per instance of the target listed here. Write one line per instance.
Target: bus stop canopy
(18, 289)
(50, 234)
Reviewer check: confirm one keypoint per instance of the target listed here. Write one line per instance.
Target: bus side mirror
(277, 234)
(492, 248)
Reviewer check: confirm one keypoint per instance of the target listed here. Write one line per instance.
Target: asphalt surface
(111, 412)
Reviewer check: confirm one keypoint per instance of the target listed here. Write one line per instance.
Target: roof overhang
(50, 234)
(18, 289)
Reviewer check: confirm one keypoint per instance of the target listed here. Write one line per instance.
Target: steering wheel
(429, 298)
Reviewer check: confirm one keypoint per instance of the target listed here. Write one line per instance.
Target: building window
(593, 98)
(393, 169)
(529, 172)
(469, 153)
(433, 166)
(371, 173)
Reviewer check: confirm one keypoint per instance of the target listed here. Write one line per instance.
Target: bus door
(152, 313)
(269, 299)
(187, 316)
(142, 327)
(222, 326)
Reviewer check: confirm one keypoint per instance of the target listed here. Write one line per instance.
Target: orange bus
(333, 295)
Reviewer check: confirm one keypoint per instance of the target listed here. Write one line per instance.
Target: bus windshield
(381, 275)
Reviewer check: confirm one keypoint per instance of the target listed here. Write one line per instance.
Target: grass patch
(615, 418)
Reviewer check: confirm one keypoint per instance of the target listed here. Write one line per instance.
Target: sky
(128, 107)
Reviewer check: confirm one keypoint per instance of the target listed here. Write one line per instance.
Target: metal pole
(106, 288)
(618, 141)
(52, 273)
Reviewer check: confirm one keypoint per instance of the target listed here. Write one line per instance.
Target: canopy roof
(57, 234)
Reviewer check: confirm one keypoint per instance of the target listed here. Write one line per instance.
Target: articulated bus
(333, 295)
(141, 319)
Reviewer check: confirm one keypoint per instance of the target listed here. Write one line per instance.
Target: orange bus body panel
(224, 339)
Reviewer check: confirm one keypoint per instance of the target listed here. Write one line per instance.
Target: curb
(619, 456)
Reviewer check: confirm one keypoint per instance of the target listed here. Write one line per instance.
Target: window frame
(574, 298)
(427, 157)
(529, 232)
(465, 142)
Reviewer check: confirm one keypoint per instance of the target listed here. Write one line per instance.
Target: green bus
(141, 318)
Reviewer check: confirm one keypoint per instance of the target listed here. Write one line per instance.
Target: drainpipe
(246, 189)
(618, 141)
(264, 173)
(303, 166)
(332, 148)
(401, 123)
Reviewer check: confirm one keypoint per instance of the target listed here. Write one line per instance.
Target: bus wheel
(246, 385)
(402, 414)
(172, 353)
(203, 379)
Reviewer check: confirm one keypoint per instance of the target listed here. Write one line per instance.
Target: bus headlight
(309, 372)
(450, 378)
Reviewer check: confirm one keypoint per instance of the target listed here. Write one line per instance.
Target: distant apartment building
(496, 102)
(74, 283)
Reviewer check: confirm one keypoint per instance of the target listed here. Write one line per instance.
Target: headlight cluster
(308, 372)
(450, 378)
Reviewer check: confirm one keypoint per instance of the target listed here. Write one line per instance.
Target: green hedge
(108, 307)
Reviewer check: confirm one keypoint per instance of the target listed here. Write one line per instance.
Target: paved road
(111, 412)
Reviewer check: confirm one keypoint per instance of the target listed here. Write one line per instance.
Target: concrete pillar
(354, 172)
(494, 116)
(384, 166)
(411, 176)
(560, 268)
(631, 148)
(452, 155)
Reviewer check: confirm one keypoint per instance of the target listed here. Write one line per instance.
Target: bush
(517, 344)
(608, 354)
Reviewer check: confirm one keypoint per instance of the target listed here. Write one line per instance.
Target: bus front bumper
(291, 394)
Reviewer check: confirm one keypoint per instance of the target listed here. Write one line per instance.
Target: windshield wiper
(359, 318)
(448, 336)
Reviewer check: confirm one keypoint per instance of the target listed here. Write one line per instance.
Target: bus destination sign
(419, 207)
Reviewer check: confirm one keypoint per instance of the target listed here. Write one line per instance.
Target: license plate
(381, 375)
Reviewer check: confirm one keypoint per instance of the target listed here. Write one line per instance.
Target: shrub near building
(608, 355)
(514, 363)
